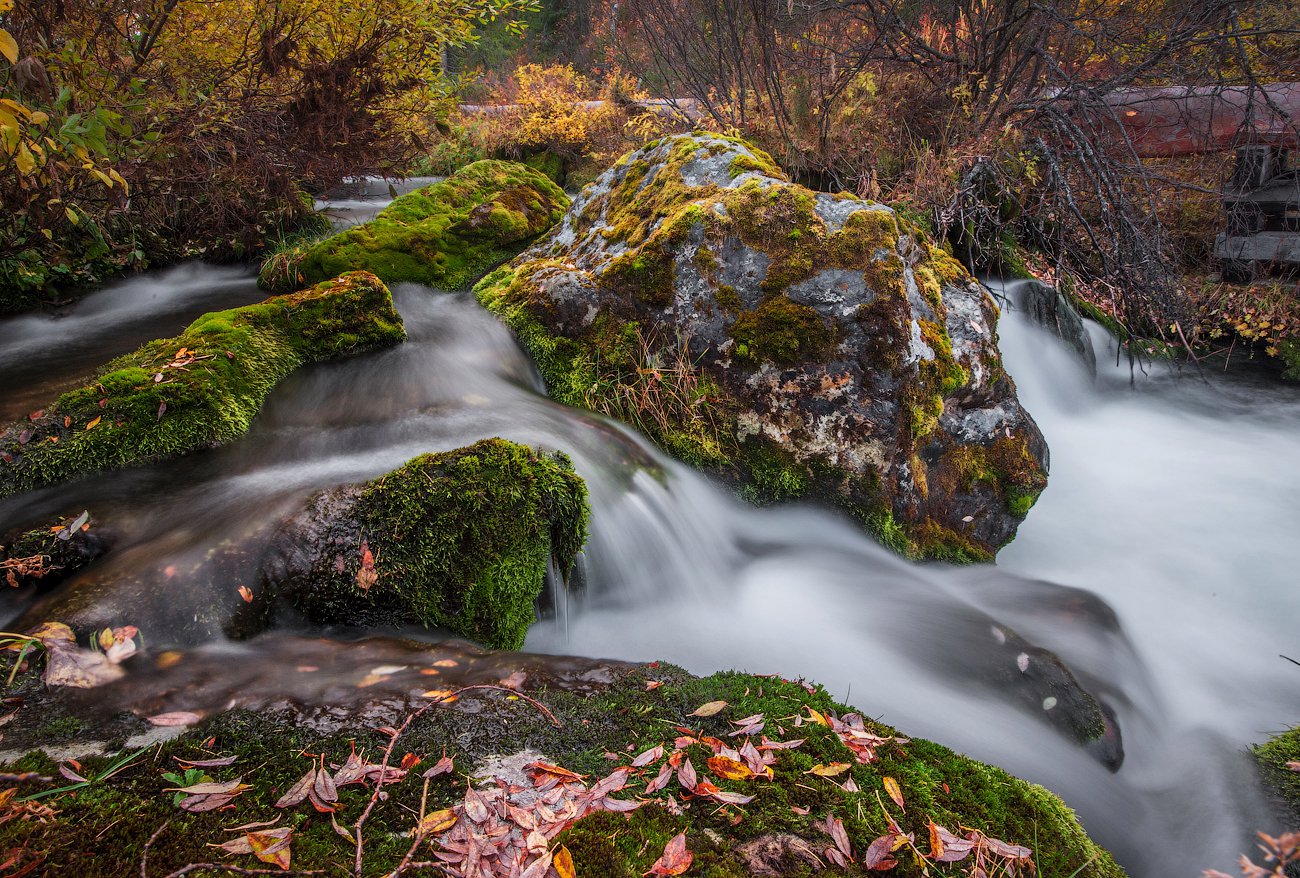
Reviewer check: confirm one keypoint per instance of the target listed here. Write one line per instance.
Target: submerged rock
(796, 343)
(446, 234)
(197, 390)
(1048, 308)
(48, 555)
(459, 540)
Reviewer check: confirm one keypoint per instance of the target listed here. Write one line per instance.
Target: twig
(144, 855)
(358, 861)
(1288, 658)
(237, 870)
(26, 777)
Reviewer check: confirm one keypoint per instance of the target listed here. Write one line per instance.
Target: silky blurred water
(1157, 564)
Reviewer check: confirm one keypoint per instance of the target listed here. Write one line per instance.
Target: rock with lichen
(796, 343)
(459, 540)
(446, 234)
(199, 389)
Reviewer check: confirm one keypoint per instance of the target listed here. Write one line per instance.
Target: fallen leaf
(832, 770)
(728, 768)
(676, 858)
(298, 792)
(877, 856)
(686, 776)
(731, 798)
(653, 684)
(94, 423)
(665, 773)
(446, 663)
(272, 846)
(246, 593)
(840, 837)
(895, 791)
(514, 681)
(176, 718)
(709, 709)
(562, 863)
(442, 766)
(438, 821)
(654, 754)
(207, 763)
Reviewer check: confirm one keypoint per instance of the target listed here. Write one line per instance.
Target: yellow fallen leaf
(895, 792)
(726, 767)
(438, 821)
(835, 768)
(563, 863)
(95, 423)
(709, 709)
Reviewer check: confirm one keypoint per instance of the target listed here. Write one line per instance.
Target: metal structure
(1261, 199)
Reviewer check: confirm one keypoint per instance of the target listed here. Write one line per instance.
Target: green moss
(549, 163)
(460, 540)
(140, 408)
(783, 331)
(60, 729)
(1288, 350)
(101, 830)
(446, 234)
(1274, 755)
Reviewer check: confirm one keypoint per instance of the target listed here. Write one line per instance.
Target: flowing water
(1157, 564)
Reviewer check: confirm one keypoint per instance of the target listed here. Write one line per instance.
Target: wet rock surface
(798, 344)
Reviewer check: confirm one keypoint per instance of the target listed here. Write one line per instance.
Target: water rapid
(1155, 564)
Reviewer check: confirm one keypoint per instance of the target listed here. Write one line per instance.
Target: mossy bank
(102, 828)
(444, 235)
(199, 389)
(459, 540)
(798, 344)
(1275, 757)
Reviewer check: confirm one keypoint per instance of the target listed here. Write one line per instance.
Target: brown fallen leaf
(298, 792)
(878, 854)
(442, 766)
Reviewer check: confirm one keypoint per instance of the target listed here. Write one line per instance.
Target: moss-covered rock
(446, 234)
(459, 540)
(1274, 756)
(798, 344)
(49, 554)
(102, 828)
(199, 389)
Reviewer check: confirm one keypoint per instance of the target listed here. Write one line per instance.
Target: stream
(1155, 563)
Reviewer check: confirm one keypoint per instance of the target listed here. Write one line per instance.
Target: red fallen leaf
(802, 812)
(653, 684)
(686, 775)
(654, 754)
(684, 741)
(676, 858)
(207, 763)
(705, 788)
(298, 792)
(324, 788)
(1007, 850)
(475, 808)
(836, 857)
(36, 415)
(877, 857)
(665, 772)
(409, 761)
(840, 837)
(442, 766)
(367, 576)
(67, 422)
(103, 402)
(246, 593)
(946, 847)
(70, 774)
(562, 773)
(176, 718)
(317, 803)
(611, 784)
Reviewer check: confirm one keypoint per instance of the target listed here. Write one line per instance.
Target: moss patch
(1273, 756)
(459, 540)
(101, 830)
(199, 389)
(446, 234)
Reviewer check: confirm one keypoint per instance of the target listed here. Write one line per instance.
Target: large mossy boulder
(199, 389)
(446, 234)
(799, 344)
(459, 540)
(600, 722)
